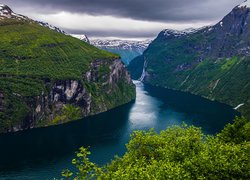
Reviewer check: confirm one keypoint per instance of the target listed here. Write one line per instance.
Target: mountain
(51, 27)
(127, 49)
(82, 37)
(48, 78)
(6, 12)
(212, 62)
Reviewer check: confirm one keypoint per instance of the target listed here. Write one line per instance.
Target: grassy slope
(29, 54)
(27, 48)
(232, 75)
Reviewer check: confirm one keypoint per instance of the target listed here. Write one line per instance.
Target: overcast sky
(123, 18)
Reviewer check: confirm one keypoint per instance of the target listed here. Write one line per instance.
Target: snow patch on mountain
(6, 12)
(121, 44)
(179, 33)
(245, 4)
(127, 49)
(82, 37)
(54, 28)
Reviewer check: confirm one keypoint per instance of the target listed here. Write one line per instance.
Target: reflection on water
(145, 111)
(43, 153)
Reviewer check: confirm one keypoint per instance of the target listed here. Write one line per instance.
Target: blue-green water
(43, 153)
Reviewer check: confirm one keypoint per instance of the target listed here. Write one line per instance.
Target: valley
(88, 90)
(212, 61)
(44, 153)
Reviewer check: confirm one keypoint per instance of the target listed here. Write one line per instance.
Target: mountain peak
(6, 12)
(246, 4)
(180, 33)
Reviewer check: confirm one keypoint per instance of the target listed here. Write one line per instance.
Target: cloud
(124, 17)
(103, 26)
(154, 10)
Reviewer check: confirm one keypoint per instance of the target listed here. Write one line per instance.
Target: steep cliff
(49, 78)
(212, 61)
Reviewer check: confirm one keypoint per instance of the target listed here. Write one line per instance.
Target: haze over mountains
(127, 49)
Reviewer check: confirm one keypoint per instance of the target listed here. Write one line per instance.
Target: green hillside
(226, 79)
(33, 58)
(213, 62)
(27, 48)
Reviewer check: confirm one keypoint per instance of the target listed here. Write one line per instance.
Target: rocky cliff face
(212, 61)
(47, 106)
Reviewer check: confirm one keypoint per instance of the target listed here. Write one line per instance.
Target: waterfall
(143, 71)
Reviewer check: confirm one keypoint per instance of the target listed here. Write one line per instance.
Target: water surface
(43, 153)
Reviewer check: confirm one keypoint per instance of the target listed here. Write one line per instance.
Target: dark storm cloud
(148, 10)
(118, 33)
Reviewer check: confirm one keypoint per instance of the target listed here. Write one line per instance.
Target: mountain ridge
(212, 62)
(127, 49)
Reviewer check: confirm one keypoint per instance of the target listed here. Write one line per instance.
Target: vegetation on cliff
(33, 58)
(213, 62)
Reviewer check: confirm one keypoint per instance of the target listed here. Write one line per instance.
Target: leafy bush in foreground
(176, 153)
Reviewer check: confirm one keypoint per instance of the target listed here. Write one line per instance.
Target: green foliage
(69, 113)
(29, 49)
(29, 54)
(238, 132)
(87, 169)
(229, 63)
(15, 109)
(176, 153)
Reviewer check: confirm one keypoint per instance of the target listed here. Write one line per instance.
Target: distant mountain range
(48, 78)
(213, 62)
(127, 49)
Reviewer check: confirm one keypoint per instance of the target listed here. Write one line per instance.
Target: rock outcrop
(46, 107)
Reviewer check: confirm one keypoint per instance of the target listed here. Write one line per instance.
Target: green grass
(229, 64)
(32, 50)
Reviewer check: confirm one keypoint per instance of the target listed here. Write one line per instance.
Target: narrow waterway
(44, 153)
